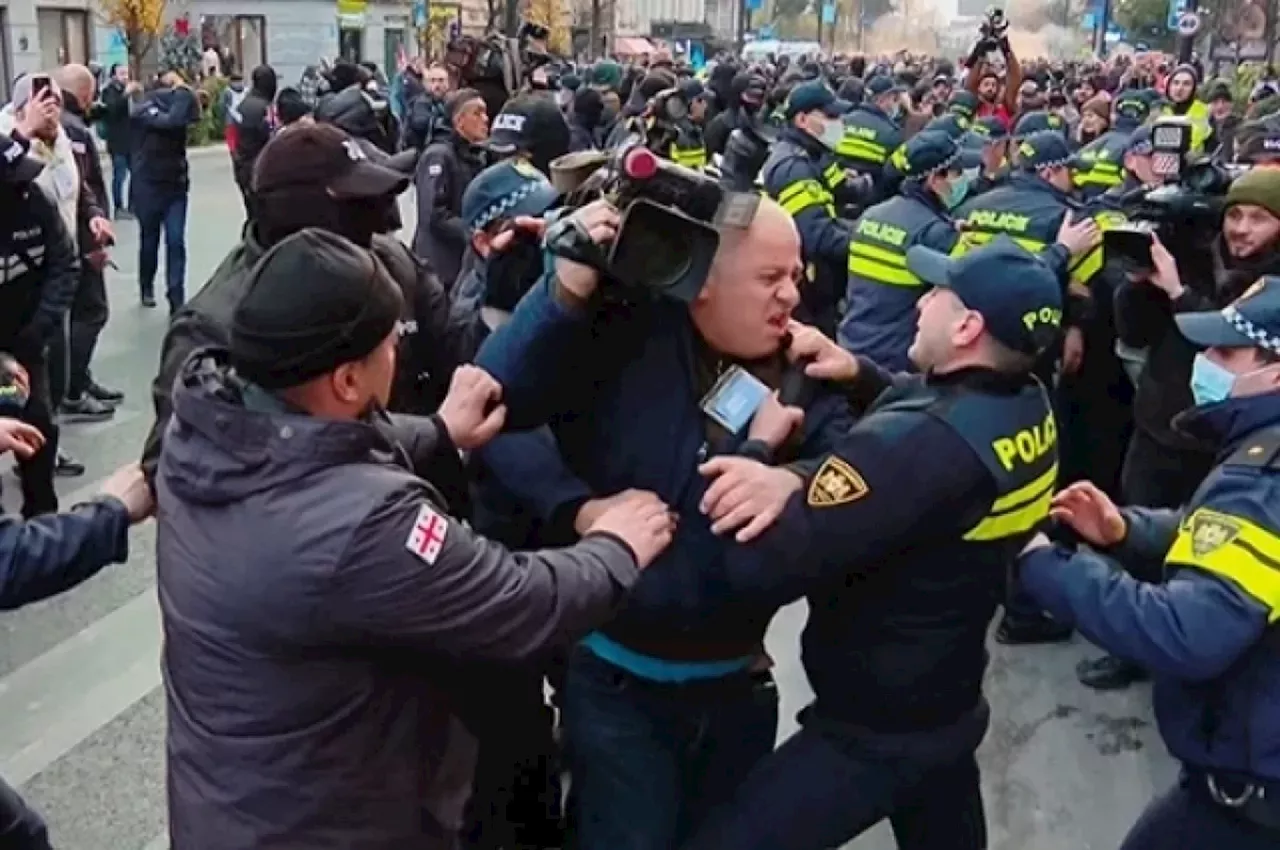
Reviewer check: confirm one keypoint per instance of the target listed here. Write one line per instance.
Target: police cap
(930, 151)
(1134, 104)
(808, 97)
(504, 191)
(1042, 150)
(1251, 321)
(883, 84)
(963, 103)
(1039, 121)
(1015, 291)
(990, 129)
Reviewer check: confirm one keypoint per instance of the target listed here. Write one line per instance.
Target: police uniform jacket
(688, 148)
(800, 175)
(902, 538)
(880, 316)
(1101, 162)
(39, 271)
(315, 598)
(621, 387)
(1030, 211)
(1208, 632)
(870, 136)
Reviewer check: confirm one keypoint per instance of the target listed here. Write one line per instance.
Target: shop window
(64, 37)
(239, 40)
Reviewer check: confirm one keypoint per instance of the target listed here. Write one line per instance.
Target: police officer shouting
(880, 321)
(1208, 631)
(901, 538)
(800, 174)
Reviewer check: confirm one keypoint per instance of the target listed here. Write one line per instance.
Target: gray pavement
(82, 712)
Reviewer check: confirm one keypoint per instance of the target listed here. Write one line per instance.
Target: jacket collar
(1227, 424)
(915, 189)
(1034, 182)
(803, 140)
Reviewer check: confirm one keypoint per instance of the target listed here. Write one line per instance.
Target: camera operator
(983, 78)
(445, 168)
(669, 705)
(39, 272)
(801, 175)
(1164, 465)
(318, 600)
(317, 176)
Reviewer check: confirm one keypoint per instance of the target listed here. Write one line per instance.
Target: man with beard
(1164, 466)
(317, 176)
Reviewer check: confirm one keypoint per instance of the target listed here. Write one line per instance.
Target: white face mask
(832, 132)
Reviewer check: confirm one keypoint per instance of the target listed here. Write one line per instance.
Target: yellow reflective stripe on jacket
(1019, 511)
(1233, 548)
(880, 265)
(1085, 266)
(970, 239)
(833, 176)
(859, 148)
(689, 157)
(802, 194)
(1099, 174)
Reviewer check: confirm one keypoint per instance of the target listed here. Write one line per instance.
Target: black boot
(1025, 629)
(1109, 673)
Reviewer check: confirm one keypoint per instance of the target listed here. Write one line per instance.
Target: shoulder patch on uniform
(837, 483)
(1210, 531)
(426, 538)
(434, 169)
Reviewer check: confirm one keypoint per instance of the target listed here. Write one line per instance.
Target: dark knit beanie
(315, 301)
(1261, 186)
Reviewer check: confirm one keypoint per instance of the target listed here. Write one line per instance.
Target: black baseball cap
(1005, 283)
(321, 154)
(16, 166)
(524, 121)
(315, 301)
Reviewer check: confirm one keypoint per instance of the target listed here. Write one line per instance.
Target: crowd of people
(408, 483)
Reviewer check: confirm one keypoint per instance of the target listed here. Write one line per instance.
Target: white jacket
(61, 177)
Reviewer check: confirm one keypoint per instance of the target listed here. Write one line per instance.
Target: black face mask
(359, 220)
(511, 273)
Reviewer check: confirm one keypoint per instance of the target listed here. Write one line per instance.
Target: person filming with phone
(668, 705)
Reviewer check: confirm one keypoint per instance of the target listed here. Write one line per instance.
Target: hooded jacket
(318, 606)
(431, 346)
(252, 120)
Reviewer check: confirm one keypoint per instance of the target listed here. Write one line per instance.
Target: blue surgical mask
(957, 190)
(1210, 383)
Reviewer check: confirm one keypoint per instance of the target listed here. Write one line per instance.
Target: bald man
(668, 706)
(81, 398)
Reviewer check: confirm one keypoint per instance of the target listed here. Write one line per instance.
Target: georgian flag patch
(426, 539)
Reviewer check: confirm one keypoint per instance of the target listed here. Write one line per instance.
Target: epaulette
(1260, 450)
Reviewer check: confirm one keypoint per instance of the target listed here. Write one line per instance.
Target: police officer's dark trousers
(88, 317)
(36, 472)
(828, 784)
(1186, 817)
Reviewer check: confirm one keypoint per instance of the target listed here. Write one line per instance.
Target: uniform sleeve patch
(434, 170)
(837, 483)
(426, 538)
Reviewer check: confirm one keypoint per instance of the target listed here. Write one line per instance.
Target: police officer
(688, 149)
(1038, 121)
(994, 136)
(903, 579)
(39, 272)
(871, 129)
(1035, 208)
(799, 174)
(880, 318)
(1101, 163)
(1207, 632)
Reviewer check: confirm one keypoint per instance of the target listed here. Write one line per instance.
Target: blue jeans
(648, 760)
(824, 787)
(166, 212)
(119, 173)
